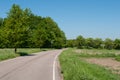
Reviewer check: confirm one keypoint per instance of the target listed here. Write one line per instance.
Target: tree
(97, 43)
(26, 25)
(1, 33)
(53, 34)
(2, 38)
(1, 22)
(63, 38)
(108, 43)
(21, 28)
(39, 36)
(117, 43)
(80, 41)
(16, 26)
(90, 43)
(71, 43)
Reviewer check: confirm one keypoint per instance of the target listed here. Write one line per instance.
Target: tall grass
(74, 68)
(9, 53)
(98, 53)
(29, 50)
(103, 55)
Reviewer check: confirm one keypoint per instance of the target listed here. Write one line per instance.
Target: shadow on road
(25, 54)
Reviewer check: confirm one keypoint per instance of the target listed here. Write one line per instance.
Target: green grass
(9, 53)
(74, 68)
(117, 58)
(103, 55)
(98, 53)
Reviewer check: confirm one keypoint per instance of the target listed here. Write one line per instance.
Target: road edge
(56, 66)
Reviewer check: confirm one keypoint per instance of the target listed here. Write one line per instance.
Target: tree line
(23, 29)
(90, 43)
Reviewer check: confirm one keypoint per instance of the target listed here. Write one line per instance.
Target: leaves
(22, 28)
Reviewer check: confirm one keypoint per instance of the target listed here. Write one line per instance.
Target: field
(99, 53)
(9, 53)
(84, 64)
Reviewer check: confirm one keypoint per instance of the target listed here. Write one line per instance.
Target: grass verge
(9, 53)
(73, 68)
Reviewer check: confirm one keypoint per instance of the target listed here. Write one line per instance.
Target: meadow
(99, 53)
(75, 67)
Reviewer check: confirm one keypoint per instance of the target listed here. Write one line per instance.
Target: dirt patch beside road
(108, 63)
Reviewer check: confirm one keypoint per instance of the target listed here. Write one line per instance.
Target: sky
(89, 18)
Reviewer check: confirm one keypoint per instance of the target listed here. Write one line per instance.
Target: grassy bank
(9, 53)
(74, 68)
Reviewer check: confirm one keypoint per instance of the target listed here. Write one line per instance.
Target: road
(40, 66)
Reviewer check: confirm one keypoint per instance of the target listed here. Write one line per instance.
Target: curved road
(40, 66)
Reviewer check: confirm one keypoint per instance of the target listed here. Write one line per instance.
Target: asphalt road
(40, 66)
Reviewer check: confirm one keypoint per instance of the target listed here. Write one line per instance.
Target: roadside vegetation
(73, 67)
(94, 43)
(98, 53)
(9, 53)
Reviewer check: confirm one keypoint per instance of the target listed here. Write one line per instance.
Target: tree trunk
(15, 50)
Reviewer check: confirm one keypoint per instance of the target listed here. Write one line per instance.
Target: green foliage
(16, 26)
(23, 29)
(9, 53)
(71, 43)
(97, 43)
(39, 36)
(80, 41)
(117, 44)
(6, 54)
(108, 43)
(74, 68)
(1, 22)
(91, 43)
(117, 58)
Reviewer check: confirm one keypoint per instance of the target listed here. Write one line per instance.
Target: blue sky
(89, 18)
